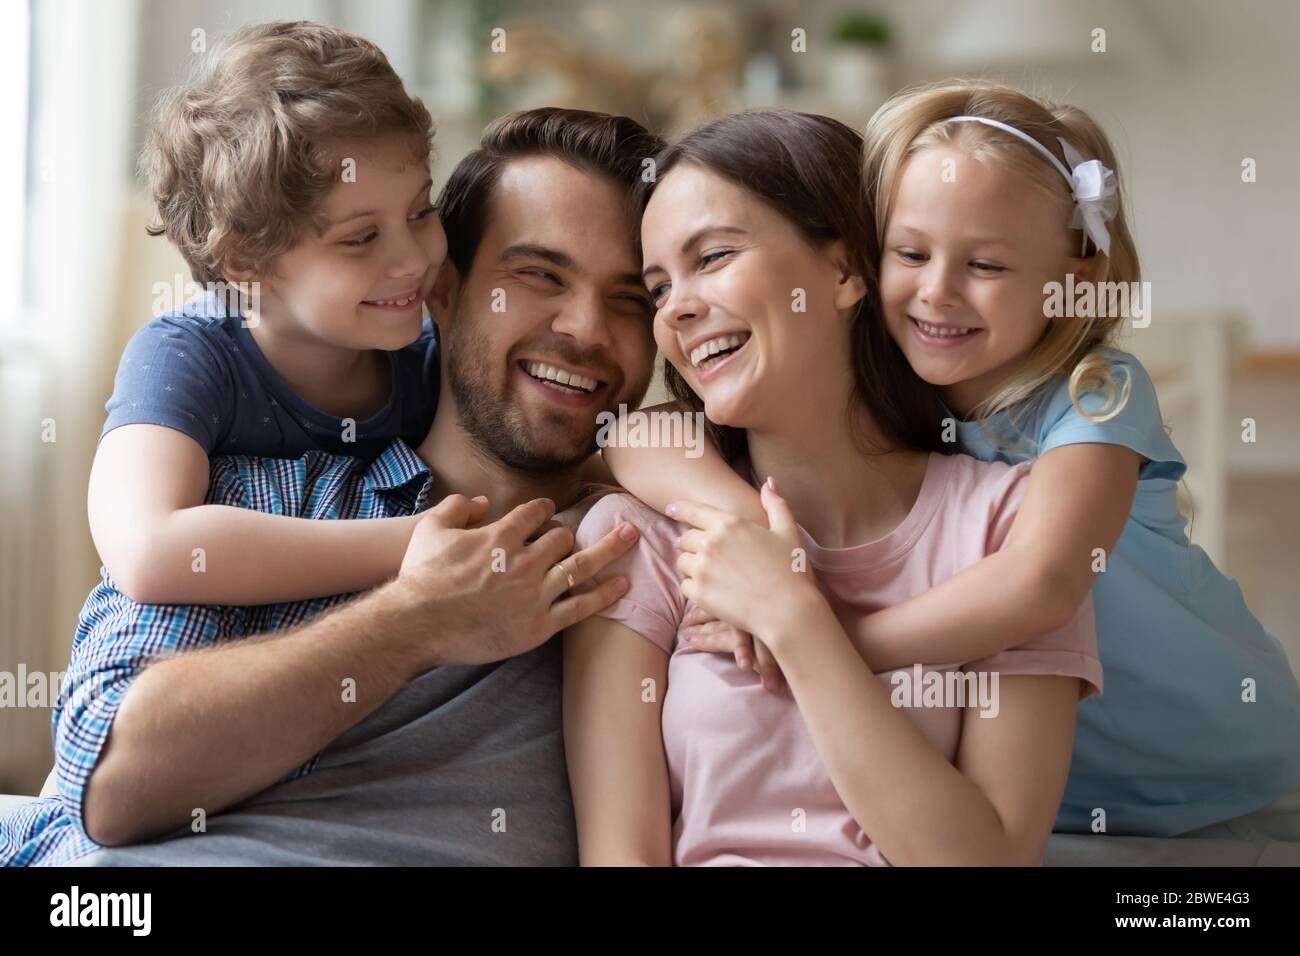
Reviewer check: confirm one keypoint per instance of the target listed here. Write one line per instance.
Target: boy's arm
(1078, 499)
(147, 519)
(212, 725)
(660, 476)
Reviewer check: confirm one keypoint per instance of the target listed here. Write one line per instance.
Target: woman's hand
(753, 578)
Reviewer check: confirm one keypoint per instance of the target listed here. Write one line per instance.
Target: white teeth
(939, 332)
(398, 302)
(714, 346)
(549, 373)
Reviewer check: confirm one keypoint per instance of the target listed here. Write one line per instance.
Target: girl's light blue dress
(1199, 720)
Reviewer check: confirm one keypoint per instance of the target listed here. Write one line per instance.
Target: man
(420, 723)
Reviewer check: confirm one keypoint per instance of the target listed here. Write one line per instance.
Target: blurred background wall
(1187, 89)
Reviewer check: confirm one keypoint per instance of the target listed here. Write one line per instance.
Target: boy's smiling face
(358, 280)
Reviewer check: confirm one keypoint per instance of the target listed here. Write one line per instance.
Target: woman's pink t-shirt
(748, 786)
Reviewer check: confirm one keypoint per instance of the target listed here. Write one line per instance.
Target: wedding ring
(572, 583)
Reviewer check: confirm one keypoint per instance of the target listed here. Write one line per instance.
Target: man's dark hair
(614, 146)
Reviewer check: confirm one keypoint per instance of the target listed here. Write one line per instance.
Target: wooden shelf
(1280, 363)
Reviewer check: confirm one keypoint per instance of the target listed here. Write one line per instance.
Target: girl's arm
(613, 744)
(1078, 499)
(147, 519)
(986, 810)
(659, 476)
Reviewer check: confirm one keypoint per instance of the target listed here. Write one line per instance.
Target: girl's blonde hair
(914, 120)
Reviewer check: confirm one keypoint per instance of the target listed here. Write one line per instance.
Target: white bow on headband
(1092, 184)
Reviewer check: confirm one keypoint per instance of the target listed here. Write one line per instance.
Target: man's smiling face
(554, 292)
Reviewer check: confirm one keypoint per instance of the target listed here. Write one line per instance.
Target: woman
(757, 238)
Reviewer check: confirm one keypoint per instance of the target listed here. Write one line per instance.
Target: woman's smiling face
(745, 307)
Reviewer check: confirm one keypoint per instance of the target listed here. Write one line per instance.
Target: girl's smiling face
(968, 248)
(727, 275)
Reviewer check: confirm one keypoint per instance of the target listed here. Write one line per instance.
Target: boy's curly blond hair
(239, 159)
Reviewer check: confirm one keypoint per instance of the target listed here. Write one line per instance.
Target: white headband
(1092, 184)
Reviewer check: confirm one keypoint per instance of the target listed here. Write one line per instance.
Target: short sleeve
(1138, 425)
(173, 374)
(1069, 651)
(116, 639)
(653, 604)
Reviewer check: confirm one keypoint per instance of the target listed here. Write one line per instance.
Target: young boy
(296, 165)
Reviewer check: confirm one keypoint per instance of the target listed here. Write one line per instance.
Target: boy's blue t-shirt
(1200, 719)
(199, 370)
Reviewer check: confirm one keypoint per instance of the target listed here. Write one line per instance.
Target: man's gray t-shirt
(463, 766)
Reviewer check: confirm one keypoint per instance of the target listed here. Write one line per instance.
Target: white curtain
(59, 360)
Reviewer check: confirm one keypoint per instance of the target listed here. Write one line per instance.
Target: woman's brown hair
(809, 169)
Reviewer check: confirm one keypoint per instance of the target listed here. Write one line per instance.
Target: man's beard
(495, 424)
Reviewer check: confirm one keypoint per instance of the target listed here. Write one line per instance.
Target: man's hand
(497, 591)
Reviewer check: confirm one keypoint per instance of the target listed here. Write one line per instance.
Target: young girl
(984, 196)
(294, 160)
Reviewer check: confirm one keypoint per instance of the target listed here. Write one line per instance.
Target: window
(14, 113)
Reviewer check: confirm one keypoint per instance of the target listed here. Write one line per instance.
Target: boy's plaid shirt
(117, 638)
